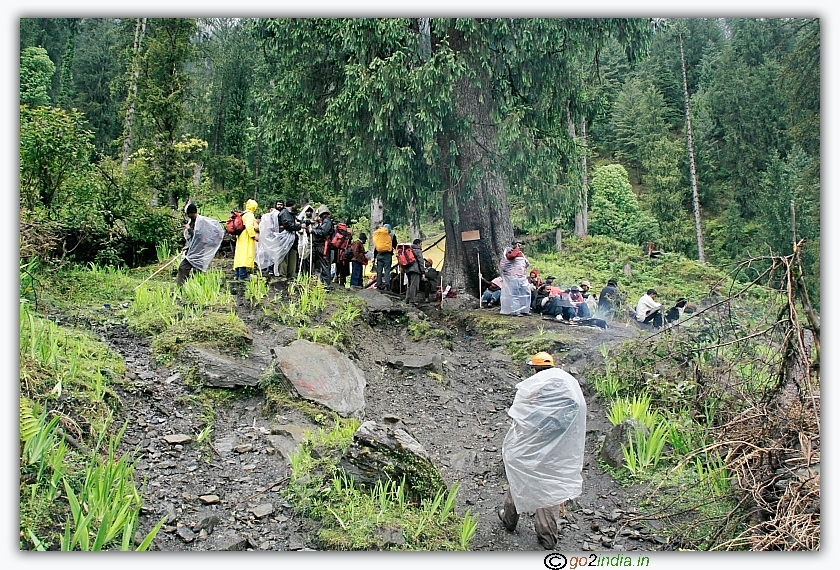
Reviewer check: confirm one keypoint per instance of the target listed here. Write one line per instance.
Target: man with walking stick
(203, 237)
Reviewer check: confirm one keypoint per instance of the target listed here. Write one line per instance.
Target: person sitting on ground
(674, 314)
(588, 296)
(534, 282)
(492, 294)
(202, 236)
(609, 300)
(648, 310)
(651, 250)
(543, 293)
(578, 307)
(543, 449)
(431, 280)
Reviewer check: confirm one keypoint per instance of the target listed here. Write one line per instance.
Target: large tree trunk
(377, 214)
(582, 205)
(414, 216)
(701, 255)
(484, 207)
(139, 31)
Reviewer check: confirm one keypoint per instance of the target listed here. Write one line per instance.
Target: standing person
(305, 239)
(415, 271)
(246, 244)
(359, 260)
(202, 236)
(321, 232)
(609, 300)
(543, 449)
(430, 280)
(516, 289)
(648, 310)
(384, 244)
(342, 261)
(268, 245)
(291, 226)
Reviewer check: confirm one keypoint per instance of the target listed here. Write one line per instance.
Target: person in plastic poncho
(246, 244)
(516, 290)
(203, 236)
(543, 450)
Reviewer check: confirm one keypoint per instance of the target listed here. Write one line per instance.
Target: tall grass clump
(204, 290)
(308, 298)
(155, 308)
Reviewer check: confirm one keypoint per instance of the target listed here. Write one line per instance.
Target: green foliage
(256, 289)
(423, 328)
(644, 452)
(154, 309)
(308, 298)
(54, 149)
(615, 209)
(106, 507)
(353, 518)
(637, 408)
(224, 331)
(36, 71)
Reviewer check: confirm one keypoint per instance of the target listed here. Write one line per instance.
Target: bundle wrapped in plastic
(516, 295)
(543, 449)
(207, 238)
(273, 245)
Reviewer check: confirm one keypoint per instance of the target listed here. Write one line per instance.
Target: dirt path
(227, 495)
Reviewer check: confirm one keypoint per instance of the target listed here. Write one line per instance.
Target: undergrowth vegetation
(382, 518)
(727, 406)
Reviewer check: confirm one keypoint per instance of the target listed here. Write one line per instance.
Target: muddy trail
(228, 494)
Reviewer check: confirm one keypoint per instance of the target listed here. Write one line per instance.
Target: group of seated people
(577, 303)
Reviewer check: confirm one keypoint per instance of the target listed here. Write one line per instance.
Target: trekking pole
(478, 256)
(168, 263)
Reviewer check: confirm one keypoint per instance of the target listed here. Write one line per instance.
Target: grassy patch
(223, 331)
(496, 328)
(382, 518)
(423, 329)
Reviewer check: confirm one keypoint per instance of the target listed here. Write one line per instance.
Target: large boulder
(389, 453)
(611, 452)
(322, 374)
(219, 371)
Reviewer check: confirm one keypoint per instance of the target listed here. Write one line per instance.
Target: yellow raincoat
(246, 245)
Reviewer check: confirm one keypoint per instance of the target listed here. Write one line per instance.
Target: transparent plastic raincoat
(516, 291)
(543, 449)
(273, 244)
(202, 247)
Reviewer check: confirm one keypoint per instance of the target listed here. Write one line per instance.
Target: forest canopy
(501, 125)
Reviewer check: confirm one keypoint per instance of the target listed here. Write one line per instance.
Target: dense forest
(701, 134)
(589, 139)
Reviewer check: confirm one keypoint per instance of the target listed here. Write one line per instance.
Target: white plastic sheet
(205, 242)
(543, 449)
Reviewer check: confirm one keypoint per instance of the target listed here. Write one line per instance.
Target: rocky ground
(227, 495)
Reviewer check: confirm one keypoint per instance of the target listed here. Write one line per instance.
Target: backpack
(405, 255)
(348, 254)
(340, 238)
(235, 225)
